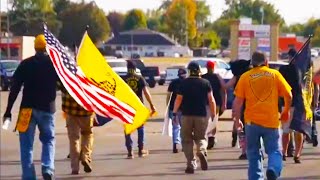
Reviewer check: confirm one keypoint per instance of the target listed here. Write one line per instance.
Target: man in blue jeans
(171, 97)
(260, 88)
(37, 108)
(139, 86)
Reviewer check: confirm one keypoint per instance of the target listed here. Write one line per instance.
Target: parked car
(314, 53)
(150, 73)
(277, 64)
(7, 69)
(172, 73)
(162, 79)
(120, 66)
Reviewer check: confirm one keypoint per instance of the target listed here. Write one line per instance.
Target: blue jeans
(176, 126)
(129, 141)
(45, 123)
(272, 145)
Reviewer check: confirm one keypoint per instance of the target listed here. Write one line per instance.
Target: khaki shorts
(286, 125)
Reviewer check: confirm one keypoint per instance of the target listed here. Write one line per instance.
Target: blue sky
(293, 11)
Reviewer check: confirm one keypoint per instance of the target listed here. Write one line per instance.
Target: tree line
(187, 21)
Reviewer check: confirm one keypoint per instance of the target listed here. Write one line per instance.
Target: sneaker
(271, 175)
(284, 158)
(86, 166)
(175, 150)
(189, 170)
(203, 160)
(315, 141)
(130, 155)
(47, 176)
(211, 142)
(243, 156)
(297, 160)
(143, 153)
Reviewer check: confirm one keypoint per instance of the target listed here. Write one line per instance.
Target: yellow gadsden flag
(96, 69)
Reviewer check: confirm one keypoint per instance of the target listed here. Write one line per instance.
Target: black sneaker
(284, 157)
(189, 170)
(86, 167)
(297, 160)
(271, 175)
(211, 142)
(175, 150)
(47, 176)
(203, 161)
(315, 141)
(234, 139)
(243, 156)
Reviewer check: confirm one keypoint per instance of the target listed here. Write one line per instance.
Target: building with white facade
(145, 42)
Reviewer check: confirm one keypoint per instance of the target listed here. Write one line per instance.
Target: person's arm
(212, 105)
(237, 107)
(223, 93)
(237, 104)
(177, 103)
(230, 83)
(15, 89)
(284, 90)
(148, 97)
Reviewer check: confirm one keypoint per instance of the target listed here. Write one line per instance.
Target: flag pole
(303, 46)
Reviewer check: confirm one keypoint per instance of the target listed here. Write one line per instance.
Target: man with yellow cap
(38, 77)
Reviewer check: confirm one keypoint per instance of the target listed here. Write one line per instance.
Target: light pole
(8, 32)
(262, 14)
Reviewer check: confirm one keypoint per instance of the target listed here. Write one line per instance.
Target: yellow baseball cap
(40, 42)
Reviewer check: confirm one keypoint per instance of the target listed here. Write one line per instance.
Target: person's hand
(213, 116)
(285, 115)
(7, 115)
(238, 124)
(175, 119)
(153, 109)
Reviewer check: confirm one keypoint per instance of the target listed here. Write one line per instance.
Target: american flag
(85, 93)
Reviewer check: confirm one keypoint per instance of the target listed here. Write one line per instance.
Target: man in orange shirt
(261, 88)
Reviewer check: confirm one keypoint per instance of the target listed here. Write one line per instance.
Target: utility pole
(262, 14)
(8, 32)
(186, 19)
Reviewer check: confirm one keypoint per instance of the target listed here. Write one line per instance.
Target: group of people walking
(193, 100)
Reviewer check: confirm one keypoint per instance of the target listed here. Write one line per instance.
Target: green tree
(252, 9)
(211, 40)
(60, 6)
(181, 20)
(297, 29)
(311, 26)
(315, 41)
(77, 17)
(222, 28)
(202, 14)
(116, 21)
(27, 16)
(135, 19)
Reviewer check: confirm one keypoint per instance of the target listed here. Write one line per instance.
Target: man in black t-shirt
(220, 97)
(171, 96)
(38, 78)
(138, 85)
(193, 96)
